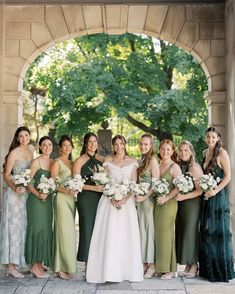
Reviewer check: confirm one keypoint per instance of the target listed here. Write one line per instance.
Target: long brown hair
(146, 158)
(85, 142)
(120, 137)
(210, 168)
(169, 142)
(14, 144)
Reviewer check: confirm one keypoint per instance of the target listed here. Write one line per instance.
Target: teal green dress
(38, 245)
(187, 227)
(164, 220)
(216, 250)
(64, 239)
(87, 202)
(146, 223)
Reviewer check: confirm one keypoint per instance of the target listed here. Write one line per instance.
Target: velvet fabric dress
(216, 261)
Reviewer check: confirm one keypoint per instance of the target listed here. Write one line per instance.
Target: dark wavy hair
(85, 142)
(65, 138)
(14, 144)
(145, 160)
(171, 143)
(120, 137)
(43, 139)
(210, 168)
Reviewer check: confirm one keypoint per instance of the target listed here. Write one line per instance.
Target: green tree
(154, 85)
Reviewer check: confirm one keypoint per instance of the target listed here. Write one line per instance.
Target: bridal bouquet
(160, 187)
(46, 185)
(208, 183)
(75, 184)
(22, 179)
(100, 177)
(184, 184)
(139, 188)
(116, 191)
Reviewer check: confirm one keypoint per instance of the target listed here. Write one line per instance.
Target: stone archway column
(217, 110)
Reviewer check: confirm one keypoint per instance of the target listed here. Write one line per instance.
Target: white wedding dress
(115, 253)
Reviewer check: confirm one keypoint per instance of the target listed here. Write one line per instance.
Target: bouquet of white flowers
(22, 179)
(75, 184)
(46, 185)
(116, 191)
(160, 187)
(208, 183)
(100, 177)
(184, 184)
(139, 188)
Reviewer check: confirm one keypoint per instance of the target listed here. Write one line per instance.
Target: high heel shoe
(192, 271)
(168, 276)
(43, 276)
(12, 272)
(149, 273)
(186, 270)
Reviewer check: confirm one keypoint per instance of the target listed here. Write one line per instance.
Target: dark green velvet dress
(87, 202)
(216, 252)
(38, 245)
(187, 227)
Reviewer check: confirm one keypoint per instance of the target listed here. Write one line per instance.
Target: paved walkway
(78, 285)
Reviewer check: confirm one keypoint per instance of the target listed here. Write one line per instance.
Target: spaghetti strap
(39, 162)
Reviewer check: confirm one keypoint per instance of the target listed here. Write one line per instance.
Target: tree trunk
(155, 132)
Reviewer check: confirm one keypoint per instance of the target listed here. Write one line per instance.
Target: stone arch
(31, 29)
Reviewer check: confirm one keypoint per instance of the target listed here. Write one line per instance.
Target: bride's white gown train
(114, 253)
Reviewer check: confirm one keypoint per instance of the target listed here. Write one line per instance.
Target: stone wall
(230, 81)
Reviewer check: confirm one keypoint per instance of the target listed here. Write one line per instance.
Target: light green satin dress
(164, 220)
(146, 223)
(64, 240)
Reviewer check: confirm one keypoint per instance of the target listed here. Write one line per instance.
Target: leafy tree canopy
(91, 77)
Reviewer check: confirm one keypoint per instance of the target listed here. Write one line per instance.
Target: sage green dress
(39, 226)
(146, 223)
(64, 239)
(87, 202)
(164, 220)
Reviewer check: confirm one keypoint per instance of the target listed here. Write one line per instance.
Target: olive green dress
(64, 239)
(87, 202)
(164, 220)
(38, 245)
(146, 223)
(187, 227)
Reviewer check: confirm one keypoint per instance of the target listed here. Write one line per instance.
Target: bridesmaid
(187, 219)
(13, 219)
(148, 169)
(216, 250)
(38, 247)
(165, 213)
(64, 239)
(88, 199)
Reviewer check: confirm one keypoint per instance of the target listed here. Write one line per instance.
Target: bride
(114, 253)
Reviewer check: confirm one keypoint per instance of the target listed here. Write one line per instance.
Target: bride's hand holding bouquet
(117, 192)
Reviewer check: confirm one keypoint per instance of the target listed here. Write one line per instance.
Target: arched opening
(138, 78)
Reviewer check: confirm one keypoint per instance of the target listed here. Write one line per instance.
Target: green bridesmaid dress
(39, 226)
(164, 220)
(87, 205)
(146, 223)
(64, 240)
